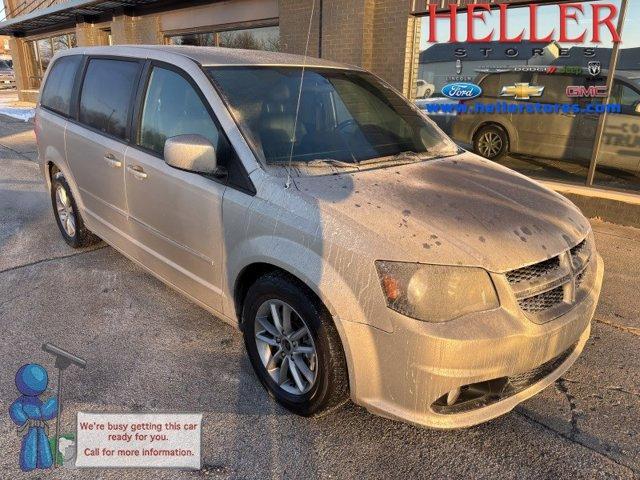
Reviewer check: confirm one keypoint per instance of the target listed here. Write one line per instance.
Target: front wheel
(293, 345)
(491, 142)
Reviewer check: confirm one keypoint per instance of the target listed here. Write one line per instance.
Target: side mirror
(192, 153)
(637, 107)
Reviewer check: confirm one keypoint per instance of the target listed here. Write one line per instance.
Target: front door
(175, 215)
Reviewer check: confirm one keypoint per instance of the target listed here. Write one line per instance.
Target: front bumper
(401, 375)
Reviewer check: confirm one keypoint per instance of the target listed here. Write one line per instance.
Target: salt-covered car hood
(461, 210)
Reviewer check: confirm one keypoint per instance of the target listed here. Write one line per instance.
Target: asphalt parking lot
(149, 349)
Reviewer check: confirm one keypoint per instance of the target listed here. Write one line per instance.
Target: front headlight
(436, 293)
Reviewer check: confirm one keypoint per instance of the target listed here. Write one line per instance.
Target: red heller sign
(601, 15)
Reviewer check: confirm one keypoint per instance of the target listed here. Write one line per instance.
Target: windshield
(345, 117)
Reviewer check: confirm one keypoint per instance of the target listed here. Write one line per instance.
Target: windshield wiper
(410, 154)
(323, 162)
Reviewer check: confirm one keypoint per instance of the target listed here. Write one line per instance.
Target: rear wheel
(491, 142)
(68, 218)
(293, 345)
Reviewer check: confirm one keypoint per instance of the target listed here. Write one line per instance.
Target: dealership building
(586, 156)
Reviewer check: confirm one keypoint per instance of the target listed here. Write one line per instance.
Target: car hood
(461, 210)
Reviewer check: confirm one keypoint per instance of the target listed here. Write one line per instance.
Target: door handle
(137, 172)
(112, 161)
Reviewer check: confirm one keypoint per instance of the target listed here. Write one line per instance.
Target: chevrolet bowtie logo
(522, 91)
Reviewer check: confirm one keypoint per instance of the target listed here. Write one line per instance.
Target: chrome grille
(547, 289)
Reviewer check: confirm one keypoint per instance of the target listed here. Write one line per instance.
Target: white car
(424, 89)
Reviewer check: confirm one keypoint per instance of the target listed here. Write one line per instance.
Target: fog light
(453, 396)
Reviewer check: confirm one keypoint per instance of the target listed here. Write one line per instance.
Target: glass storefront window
(537, 110)
(208, 39)
(187, 39)
(618, 160)
(260, 38)
(45, 52)
(40, 52)
(266, 38)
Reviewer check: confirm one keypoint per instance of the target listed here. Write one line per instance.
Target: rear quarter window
(58, 89)
(107, 93)
(555, 87)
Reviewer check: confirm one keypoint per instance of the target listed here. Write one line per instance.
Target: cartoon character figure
(30, 414)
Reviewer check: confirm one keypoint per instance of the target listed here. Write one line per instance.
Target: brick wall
(379, 35)
(393, 40)
(126, 29)
(294, 25)
(88, 34)
(347, 27)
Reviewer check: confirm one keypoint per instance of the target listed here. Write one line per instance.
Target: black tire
(331, 387)
(484, 136)
(81, 236)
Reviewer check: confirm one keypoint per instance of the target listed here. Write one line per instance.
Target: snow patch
(24, 114)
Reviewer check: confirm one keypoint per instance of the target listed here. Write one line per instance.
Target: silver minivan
(360, 251)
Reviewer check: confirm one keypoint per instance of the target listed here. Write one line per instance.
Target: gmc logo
(592, 91)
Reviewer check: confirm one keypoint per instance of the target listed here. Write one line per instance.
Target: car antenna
(295, 122)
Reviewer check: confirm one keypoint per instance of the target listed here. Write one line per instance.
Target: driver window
(172, 107)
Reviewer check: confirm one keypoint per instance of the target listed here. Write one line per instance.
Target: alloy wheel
(490, 144)
(286, 347)
(64, 209)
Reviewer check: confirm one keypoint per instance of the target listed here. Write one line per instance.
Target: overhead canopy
(64, 13)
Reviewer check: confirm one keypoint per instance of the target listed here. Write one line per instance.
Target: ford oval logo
(461, 91)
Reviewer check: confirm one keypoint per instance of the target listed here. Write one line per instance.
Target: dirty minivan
(361, 253)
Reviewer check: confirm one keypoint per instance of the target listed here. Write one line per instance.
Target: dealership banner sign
(597, 22)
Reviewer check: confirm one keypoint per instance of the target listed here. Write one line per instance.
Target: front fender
(306, 265)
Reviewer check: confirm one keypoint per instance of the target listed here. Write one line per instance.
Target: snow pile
(8, 107)
(21, 113)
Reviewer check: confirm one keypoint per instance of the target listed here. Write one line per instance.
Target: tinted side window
(172, 107)
(555, 87)
(58, 90)
(106, 95)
